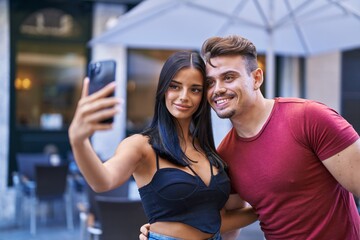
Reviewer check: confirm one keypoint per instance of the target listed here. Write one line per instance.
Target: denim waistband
(157, 236)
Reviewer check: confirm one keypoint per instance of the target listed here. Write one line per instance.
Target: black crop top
(174, 195)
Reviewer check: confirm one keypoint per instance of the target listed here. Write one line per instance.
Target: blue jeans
(157, 236)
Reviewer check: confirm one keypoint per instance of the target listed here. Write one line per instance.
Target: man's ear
(258, 77)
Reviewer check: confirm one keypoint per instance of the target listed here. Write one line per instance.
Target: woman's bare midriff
(179, 230)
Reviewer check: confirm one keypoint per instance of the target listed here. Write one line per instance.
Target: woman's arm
(91, 110)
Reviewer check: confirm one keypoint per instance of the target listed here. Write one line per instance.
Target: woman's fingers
(99, 109)
(92, 110)
(97, 102)
(103, 103)
(85, 89)
(104, 92)
(101, 114)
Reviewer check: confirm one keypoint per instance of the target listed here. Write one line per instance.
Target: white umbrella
(285, 27)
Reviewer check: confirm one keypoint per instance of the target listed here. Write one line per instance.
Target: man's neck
(250, 124)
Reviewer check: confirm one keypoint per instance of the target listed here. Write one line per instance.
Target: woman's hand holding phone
(91, 112)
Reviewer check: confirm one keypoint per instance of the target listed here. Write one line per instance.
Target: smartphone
(100, 74)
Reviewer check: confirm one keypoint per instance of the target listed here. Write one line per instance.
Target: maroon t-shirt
(280, 173)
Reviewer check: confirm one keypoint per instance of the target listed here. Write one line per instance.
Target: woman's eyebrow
(174, 81)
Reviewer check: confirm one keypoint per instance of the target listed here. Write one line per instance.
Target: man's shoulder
(298, 104)
(228, 140)
(302, 105)
(297, 101)
(291, 100)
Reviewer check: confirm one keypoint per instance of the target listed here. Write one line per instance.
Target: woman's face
(184, 94)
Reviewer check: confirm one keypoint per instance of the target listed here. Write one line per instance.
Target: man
(295, 161)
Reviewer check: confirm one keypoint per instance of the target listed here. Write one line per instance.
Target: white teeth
(221, 101)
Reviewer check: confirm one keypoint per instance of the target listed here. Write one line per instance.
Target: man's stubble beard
(225, 114)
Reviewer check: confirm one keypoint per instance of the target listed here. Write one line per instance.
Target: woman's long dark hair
(162, 131)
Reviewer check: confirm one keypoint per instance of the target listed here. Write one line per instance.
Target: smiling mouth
(221, 101)
(184, 107)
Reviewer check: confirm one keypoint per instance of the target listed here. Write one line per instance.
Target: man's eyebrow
(223, 74)
(229, 72)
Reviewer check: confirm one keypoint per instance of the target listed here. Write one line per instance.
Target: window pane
(48, 81)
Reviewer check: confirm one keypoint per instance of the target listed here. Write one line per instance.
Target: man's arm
(235, 215)
(345, 167)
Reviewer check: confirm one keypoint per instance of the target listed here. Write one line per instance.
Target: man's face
(230, 87)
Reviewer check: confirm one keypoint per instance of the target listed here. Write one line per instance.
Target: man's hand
(144, 229)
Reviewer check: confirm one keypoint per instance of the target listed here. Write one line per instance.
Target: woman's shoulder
(135, 145)
(137, 139)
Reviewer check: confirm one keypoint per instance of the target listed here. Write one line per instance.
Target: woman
(181, 179)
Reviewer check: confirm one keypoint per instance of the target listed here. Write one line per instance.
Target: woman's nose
(183, 96)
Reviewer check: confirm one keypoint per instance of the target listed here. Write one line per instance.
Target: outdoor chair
(24, 178)
(26, 163)
(51, 186)
(89, 211)
(38, 181)
(120, 218)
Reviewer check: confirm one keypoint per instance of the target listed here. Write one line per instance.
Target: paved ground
(59, 232)
(54, 228)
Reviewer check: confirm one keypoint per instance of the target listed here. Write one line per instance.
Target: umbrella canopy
(285, 27)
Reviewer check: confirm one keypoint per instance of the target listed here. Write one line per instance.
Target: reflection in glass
(48, 81)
